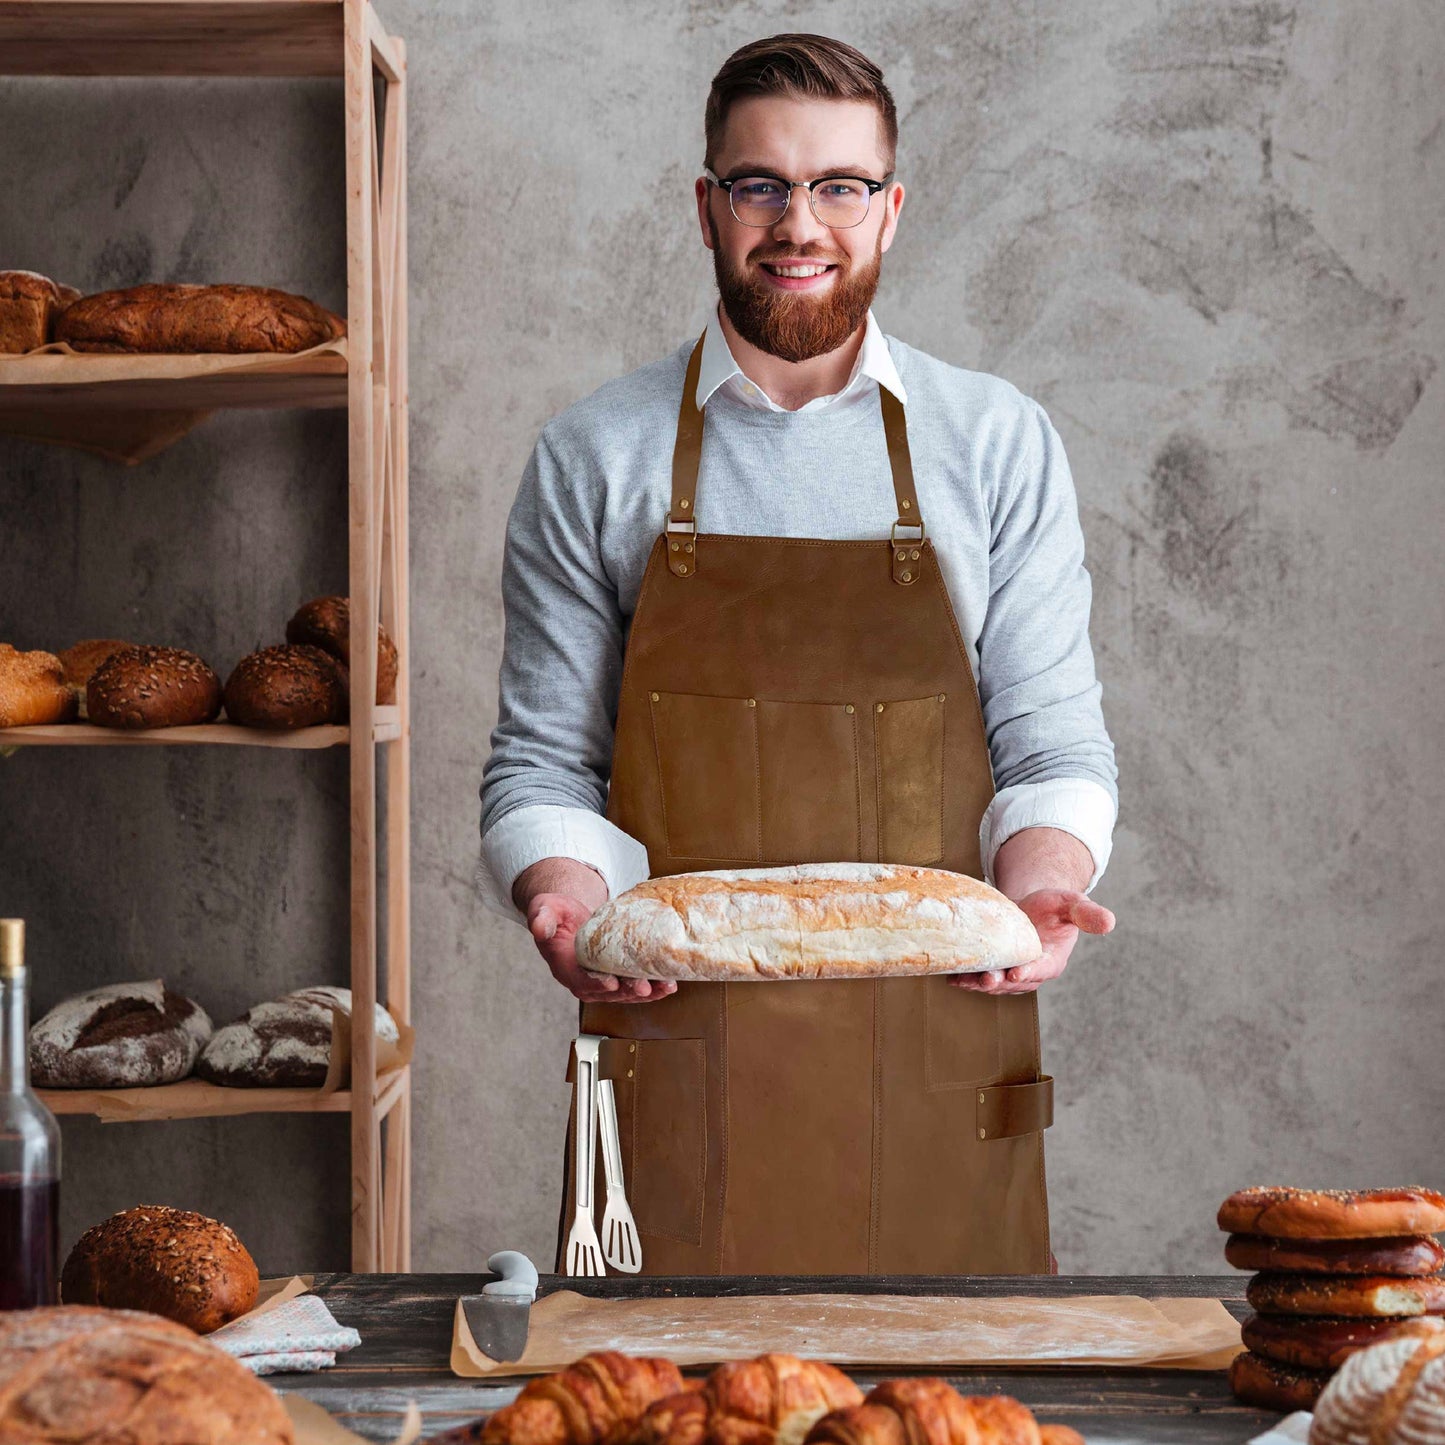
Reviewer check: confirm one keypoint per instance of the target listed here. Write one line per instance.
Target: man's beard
(796, 326)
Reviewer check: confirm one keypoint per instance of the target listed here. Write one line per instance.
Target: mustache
(805, 257)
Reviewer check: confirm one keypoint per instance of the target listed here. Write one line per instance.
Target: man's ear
(893, 206)
(701, 189)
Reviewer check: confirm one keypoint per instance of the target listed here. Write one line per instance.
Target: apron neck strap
(687, 452)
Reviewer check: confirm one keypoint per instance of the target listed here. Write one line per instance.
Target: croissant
(597, 1401)
(927, 1411)
(772, 1400)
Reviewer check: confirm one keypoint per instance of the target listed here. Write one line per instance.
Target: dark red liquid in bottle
(29, 1240)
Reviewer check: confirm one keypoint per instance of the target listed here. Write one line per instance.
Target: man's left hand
(1058, 916)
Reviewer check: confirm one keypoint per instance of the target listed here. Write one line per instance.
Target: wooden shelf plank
(171, 37)
(54, 381)
(387, 729)
(196, 1099)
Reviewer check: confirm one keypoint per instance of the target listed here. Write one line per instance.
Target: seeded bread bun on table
(1288, 1213)
(172, 1262)
(1355, 1296)
(196, 319)
(32, 689)
(809, 920)
(120, 1036)
(286, 687)
(152, 687)
(1408, 1254)
(71, 1374)
(1323, 1343)
(29, 304)
(325, 622)
(1254, 1380)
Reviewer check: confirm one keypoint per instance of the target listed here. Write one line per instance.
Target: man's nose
(799, 225)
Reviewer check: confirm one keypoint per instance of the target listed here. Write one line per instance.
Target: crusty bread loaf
(1288, 1213)
(325, 622)
(1412, 1254)
(286, 687)
(185, 318)
(119, 1036)
(80, 662)
(283, 1044)
(152, 687)
(1391, 1394)
(810, 920)
(1354, 1296)
(173, 1262)
(73, 1374)
(32, 689)
(29, 304)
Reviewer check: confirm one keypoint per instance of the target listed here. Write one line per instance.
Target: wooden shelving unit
(368, 376)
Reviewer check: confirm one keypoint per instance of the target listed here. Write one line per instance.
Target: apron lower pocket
(757, 780)
(909, 738)
(662, 1112)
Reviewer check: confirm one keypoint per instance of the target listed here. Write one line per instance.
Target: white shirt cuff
(1074, 805)
(547, 830)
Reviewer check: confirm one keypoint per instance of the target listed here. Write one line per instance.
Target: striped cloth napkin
(1292, 1430)
(301, 1334)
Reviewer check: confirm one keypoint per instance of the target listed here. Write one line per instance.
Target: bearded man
(800, 592)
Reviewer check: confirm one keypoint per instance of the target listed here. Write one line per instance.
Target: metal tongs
(595, 1109)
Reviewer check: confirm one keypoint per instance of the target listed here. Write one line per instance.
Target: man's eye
(756, 190)
(840, 189)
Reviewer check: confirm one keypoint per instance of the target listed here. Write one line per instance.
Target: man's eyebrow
(751, 168)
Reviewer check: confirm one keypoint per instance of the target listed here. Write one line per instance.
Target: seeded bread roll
(72, 1375)
(1287, 1213)
(286, 687)
(283, 1044)
(184, 318)
(1411, 1254)
(1356, 1296)
(32, 689)
(121, 1036)
(811, 920)
(1253, 1380)
(29, 304)
(152, 687)
(172, 1262)
(325, 622)
(1312, 1344)
(81, 661)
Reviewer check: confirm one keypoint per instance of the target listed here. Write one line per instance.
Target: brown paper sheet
(314, 1426)
(128, 434)
(871, 1331)
(388, 1055)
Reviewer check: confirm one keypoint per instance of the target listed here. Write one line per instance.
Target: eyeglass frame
(727, 186)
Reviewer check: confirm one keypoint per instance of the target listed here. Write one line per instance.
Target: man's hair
(799, 66)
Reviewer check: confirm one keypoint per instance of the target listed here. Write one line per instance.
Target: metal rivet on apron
(688, 548)
(908, 576)
(684, 504)
(632, 1049)
(983, 1133)
(847, 707)
(674, 546)
(880, 707)
(752, 702)
(656, 697)
(943, 697)
(907, 505)
(914, 555)
(629, 1073)
(980, 1098)
(682, 568)
(902, 555)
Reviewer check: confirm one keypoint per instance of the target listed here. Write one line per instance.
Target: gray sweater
(994, 489)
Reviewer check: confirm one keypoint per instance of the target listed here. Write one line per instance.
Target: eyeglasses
(836, 201)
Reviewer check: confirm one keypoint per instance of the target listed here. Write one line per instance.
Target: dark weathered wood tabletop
(405, 1322)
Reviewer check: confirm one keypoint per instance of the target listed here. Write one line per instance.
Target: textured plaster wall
(1203, 234)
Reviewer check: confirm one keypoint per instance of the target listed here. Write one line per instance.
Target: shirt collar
(874, 364)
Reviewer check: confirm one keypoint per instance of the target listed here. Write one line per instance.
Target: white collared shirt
(526, 834)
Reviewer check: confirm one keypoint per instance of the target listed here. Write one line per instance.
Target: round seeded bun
(286, 687)
(32, 689)
(81, 661)
(152, 687)
(325, 622)
(1288, 1213)
(172, 1262)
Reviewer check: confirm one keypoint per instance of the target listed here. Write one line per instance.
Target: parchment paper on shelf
(871, 1330)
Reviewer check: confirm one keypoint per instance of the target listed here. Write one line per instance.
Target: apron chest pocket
(756, 780)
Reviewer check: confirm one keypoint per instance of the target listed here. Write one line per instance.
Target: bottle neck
(14, 1056)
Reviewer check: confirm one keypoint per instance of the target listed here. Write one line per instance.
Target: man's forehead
(770, 131)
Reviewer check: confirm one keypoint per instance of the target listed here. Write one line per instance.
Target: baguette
(809, 920)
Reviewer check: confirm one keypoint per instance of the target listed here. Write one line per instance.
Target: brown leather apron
(791, 700)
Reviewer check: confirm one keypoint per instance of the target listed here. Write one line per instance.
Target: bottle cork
(12, 947)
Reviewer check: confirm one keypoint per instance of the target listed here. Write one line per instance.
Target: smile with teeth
(808, 270)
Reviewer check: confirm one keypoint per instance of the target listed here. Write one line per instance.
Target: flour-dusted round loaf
(285, 1043)
(174, 1262)
(807, 920)
(74, 1373)
(120, 1036)
(1391, 1394)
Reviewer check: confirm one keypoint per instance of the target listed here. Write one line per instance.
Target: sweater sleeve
(1040, 696)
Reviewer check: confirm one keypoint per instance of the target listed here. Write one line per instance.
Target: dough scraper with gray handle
(498, 1316)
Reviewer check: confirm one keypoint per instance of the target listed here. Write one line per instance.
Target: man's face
(797, 318)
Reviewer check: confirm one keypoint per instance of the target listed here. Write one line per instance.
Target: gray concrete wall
(1203, 234)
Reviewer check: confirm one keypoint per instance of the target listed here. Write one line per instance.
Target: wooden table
(405, 1321)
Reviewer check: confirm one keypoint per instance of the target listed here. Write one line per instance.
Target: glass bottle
(29, 1149)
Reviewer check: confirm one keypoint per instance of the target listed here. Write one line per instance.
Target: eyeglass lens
(761, 201)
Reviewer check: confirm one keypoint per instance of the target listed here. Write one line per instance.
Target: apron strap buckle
(681, 538)
(907, 552)
(1008, 1110)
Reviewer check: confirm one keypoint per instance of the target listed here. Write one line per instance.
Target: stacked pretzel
(1338, 1271)
(613, 1399)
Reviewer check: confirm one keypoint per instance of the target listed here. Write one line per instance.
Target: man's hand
(1043, 870)
(558, 895)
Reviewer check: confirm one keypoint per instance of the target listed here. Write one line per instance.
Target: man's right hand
(558, 895)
